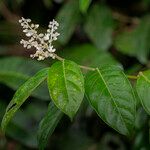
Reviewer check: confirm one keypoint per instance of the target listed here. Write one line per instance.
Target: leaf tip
(71, 117)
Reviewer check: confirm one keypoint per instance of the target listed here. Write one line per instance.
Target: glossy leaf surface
(68, 17)
(66, 86)
(143, 89)
(22, 94)
(111, 95)
(99, 26)
(48, 125)
(14, 71)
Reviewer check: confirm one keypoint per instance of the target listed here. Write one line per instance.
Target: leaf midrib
(146, 79)
(8, 116)
(64, 74)
(111, 97)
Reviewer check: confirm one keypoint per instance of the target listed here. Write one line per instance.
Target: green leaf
(21, 127)
(22, 94)
(66, 86)
(84, 4)
(2, 109)
(48, 125)
(141, 119)
(112, 97)
(84, 54)
(14, 71)
(99, 26)
(136, 42)
(68, 18)
(143, 89)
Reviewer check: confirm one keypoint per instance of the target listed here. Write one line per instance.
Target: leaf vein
(111, 96)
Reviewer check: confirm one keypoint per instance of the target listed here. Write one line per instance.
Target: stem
(125, 19)
(87, 68)
(132, 77)
(83, 67)
(58, 57)
(90, 68)
(7, 14)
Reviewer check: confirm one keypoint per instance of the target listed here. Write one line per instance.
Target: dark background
(108, 32)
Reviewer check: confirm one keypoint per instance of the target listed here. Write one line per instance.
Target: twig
(58, 57)
(8, 15)
(83, 67)
(87, 68)
(125, 19)
(132, 77)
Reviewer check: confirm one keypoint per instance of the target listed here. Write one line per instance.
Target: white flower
(29, 33)
(46, 37)
(42, 42)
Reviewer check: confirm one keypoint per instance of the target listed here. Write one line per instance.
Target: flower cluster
(42, 42)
